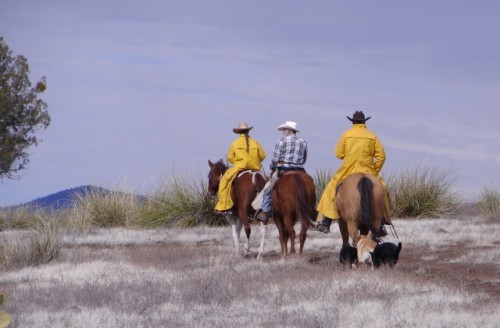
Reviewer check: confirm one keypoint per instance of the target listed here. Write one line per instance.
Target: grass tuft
(181, 203)
(489, 202)
(19, 217)
(321, 179)
(41, 245)
(423, 192)
(104, 208)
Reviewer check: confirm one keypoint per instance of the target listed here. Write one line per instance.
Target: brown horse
(361, 206)
(245, 187)
(293, 199)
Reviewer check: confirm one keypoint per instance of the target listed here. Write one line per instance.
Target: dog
(365, 246)
(387, 254)
(348, 255)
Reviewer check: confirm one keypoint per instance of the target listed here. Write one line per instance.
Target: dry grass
(489, 202)
(447, 277)
(424, 191)
(104, 208)
(179, 202)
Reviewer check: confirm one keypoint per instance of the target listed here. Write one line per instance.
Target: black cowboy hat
(358, 117)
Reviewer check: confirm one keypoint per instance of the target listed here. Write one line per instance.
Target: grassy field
(166, 261)
(448, 276)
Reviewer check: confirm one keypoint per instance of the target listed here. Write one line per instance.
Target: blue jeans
(266, 197)
(266, 200)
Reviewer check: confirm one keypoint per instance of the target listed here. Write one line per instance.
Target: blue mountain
(62, 199)
(65, 198)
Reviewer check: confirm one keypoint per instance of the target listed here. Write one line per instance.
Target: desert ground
(448, 275)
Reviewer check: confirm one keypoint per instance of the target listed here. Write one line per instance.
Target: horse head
(217, 170)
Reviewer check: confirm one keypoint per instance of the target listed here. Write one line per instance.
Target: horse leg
(234, 222)
(352, 227)
(303, 235)
(263, 231)
(281, 234)
(239, 227)
(291, 233)
(344, 233)
(246, 224)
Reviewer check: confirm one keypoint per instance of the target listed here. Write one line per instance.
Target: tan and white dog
(365, 246)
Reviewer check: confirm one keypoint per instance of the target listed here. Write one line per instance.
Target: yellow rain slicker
(242, 159)
(361, 152)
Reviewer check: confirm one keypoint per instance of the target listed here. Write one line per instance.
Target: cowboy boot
(262, 216)
(324, 226)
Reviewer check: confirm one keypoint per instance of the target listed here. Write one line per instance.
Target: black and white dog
(386, 253)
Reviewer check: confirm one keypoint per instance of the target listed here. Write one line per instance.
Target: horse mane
(365, 187)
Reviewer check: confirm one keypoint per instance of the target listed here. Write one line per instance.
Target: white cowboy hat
(288, 125)
(242, 128)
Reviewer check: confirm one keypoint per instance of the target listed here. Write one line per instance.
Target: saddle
(290, 170)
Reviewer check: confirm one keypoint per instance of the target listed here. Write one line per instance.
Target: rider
(361, 151)
(244, 153)
(290, 153)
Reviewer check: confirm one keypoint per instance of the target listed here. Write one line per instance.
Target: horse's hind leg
(352, 227)
(263, 232)
(291, 233)
(246, 246)
(235, 228)
(344, 233)
(281, 234)
(302, 236)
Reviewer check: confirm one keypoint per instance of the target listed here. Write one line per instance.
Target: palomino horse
(293, 199)
(245, 187)
(361, 206)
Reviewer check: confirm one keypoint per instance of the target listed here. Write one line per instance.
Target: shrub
(489, 202)
(105, 208)
(321, 179)
(19, 217)
(42, 245)
(422, 192)
(179, 203)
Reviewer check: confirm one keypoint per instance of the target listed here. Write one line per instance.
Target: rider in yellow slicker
(244, 153)
(361, 152)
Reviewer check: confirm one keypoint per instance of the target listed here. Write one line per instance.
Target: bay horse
(293, 200)
(244, 189)
(361, 206)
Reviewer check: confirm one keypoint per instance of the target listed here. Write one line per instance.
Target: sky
(139, 91)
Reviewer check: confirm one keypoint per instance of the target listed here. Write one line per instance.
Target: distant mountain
(64, 199)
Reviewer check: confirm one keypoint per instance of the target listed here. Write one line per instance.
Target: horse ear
(210, 163)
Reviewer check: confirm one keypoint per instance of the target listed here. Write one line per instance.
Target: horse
(361, 206)
(244, 189)
(293, 199)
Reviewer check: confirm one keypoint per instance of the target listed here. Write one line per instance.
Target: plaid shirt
(290, 151)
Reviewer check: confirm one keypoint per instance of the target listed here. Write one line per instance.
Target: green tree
(22, 112)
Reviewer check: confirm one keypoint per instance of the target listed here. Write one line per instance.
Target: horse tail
(303, 210)
(365, 187)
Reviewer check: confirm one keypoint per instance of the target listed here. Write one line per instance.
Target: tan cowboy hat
(242, 128)
(288, 125)
(358, 117)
